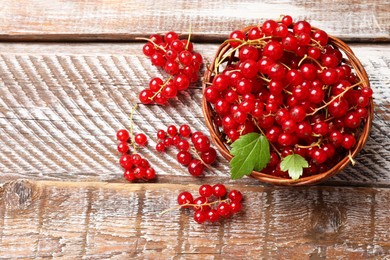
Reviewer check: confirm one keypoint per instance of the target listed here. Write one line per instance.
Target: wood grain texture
(118, 221)
(61, 105)
(211, 20)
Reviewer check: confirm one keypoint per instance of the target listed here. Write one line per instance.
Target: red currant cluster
(178, 59)
(179, 138)
(288, 82)
(135, 166)
(213, 203)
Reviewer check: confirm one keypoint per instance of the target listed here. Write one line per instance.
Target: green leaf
(294, 164)
(251, 152)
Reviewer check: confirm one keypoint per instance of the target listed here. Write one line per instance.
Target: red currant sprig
(194, 149)
(136, 167)
(213, 203)
(177, 58)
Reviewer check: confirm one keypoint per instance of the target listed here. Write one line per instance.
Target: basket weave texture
(224, 148)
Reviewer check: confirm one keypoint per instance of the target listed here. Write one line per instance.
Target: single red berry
(183, 145)
(150, 173)
(123, 135)
(213, 215)
(236, 38)
(125, 161)
(139, 172)
(224, 209)
(136, 159)
(184, 157)
(185, 198)
(235, 206)
(160, 147)
(129, 174)
(172, 130)
(161, 134)
(185, 130)
(140, 139)
(202, 143)
(200, 216)
(348, 141)
(209, 156)
(145, 96)
(219, 190)
(287, 20)
(201, 203)
(235, 195)
(196, 167)
(205, 190)
(123, 147)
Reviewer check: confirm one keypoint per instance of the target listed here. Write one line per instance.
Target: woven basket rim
(309, 180)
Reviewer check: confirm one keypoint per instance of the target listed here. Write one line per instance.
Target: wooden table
(70, 72)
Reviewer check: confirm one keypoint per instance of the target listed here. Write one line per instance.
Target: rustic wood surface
(62, 194)
(211, 20)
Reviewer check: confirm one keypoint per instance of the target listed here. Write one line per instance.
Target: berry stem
(132, 141)
(152, 42)
(189, 36)
(353, 162)
(193, 205)
(161, 88)
(200, 159)
(334, 98)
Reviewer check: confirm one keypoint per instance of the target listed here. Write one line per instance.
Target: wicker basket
(215, 133)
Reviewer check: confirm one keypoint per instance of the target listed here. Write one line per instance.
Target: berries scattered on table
(286, 81)
(213, 203)
(178, 59)
(194, 149)
(136, 167)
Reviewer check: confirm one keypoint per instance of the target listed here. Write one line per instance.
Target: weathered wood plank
(61, 105)
(211, 20)
(39, 219)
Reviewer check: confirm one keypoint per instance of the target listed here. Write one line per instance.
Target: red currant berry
(195, 167)
(237, 37)
(235, 206)
(129, 175)
(140, 139)
(184, 157)
(202, 143)
(348, 141)
(185, 198)
(183, 145)
(201, 203)
(224, 209)
(150, 173)
(200, 216)
(185, 130)
(123, 135)
(125, 161)
(145, 96)
(213, 215)
(209, 156)
(205, 190)
(219, 190)
(123, 147)
(136, 159)
(161, 134)
(160, 147)
(235, 195)
(172, 130)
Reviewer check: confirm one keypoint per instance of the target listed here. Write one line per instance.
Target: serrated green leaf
(251, 152)
(294, 164)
